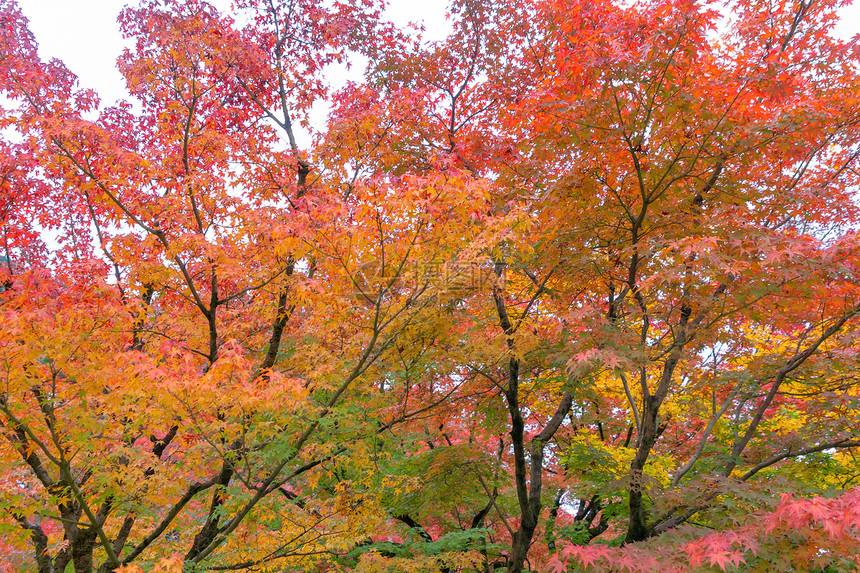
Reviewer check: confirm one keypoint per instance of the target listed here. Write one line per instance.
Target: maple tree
(573, 288)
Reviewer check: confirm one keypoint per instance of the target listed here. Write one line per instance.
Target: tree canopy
(576, 288)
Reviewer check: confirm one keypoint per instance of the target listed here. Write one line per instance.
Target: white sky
(84, 33)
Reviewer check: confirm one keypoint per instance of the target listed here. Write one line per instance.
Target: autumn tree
(202, 257)
(577, 276)
(679, 314)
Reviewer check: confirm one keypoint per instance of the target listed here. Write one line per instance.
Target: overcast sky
(84, 33)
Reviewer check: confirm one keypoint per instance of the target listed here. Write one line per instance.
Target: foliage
(575, 288)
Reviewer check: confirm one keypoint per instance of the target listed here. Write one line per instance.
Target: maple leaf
(556, 565)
